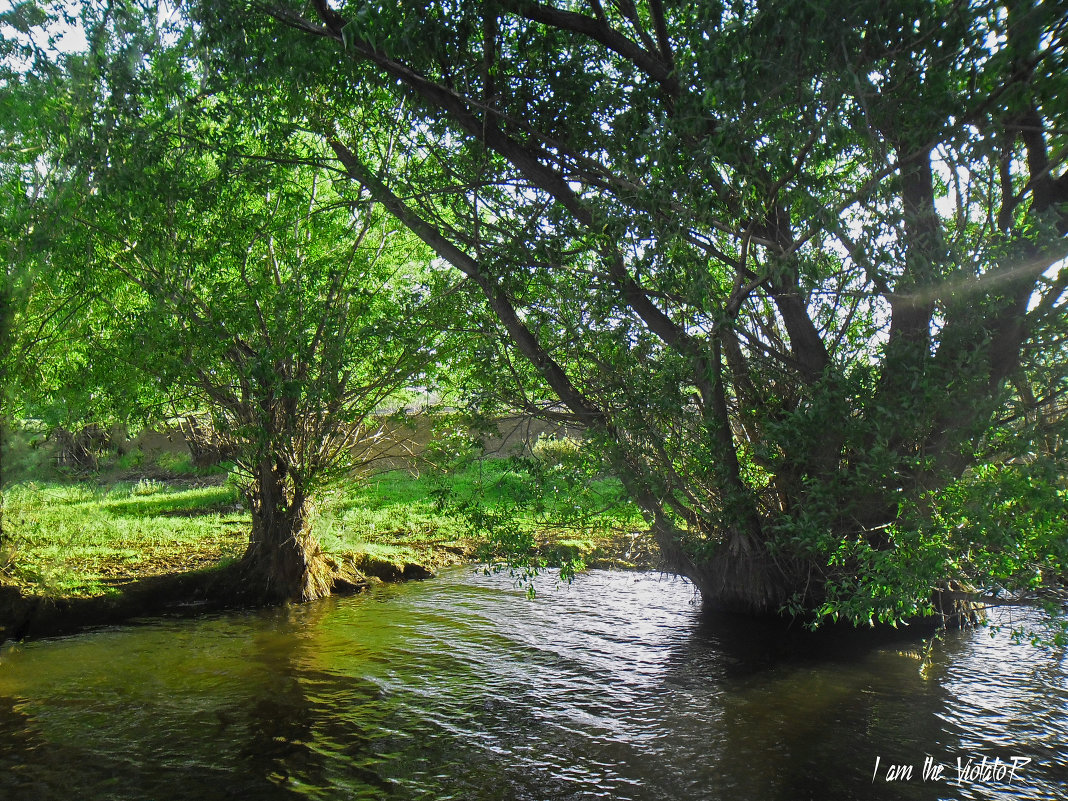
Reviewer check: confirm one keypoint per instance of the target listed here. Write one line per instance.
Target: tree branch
(498, 300)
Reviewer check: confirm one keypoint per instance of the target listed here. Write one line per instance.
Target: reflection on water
(618, 687)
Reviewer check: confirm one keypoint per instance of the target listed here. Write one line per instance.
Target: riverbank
(100, 552)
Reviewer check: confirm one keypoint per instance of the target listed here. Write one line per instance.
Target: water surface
(617, 687)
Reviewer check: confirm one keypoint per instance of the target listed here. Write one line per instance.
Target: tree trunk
(284, 561)
(739, 576)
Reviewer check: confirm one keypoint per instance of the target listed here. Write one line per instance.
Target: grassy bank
(76, 539)
(95, 537)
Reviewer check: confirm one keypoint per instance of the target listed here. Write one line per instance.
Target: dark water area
(617, 687)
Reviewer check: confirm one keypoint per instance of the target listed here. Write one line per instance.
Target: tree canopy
(210, 279)
(797, 269)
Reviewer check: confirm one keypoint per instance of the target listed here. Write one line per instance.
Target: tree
(796, 267)
(285, 306)
(291, 317)
(28, 114)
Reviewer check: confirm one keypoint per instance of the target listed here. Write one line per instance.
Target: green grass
(179, 464)
(384, 509)
(401, 506)
(82, 539)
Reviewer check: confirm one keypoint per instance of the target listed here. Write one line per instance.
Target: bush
(27, 455)
(131, 460)
(558, 451)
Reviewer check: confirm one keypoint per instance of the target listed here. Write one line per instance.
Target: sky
(65, 38)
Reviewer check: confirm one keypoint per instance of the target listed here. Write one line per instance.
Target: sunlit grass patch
(404, 510)
(73, 539)
(124, 500)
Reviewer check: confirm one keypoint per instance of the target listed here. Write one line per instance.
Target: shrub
(557, 451)
(131, 460)
(180, 464)
(27, 455)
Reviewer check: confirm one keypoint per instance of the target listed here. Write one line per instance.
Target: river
(617, 687)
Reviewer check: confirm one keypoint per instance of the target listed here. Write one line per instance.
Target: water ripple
(617, 686)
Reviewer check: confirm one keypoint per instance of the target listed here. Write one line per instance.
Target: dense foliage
(213, 281)
(797, 267)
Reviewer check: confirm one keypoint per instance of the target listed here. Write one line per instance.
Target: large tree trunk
(740, 576)
(284, 561)
(743, 577)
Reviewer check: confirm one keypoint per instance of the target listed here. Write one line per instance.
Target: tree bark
(283, 562)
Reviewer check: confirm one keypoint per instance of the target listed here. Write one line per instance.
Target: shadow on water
(216, 708)
(831, 714)
(303, 730)
(801, 714)
(747, 645)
